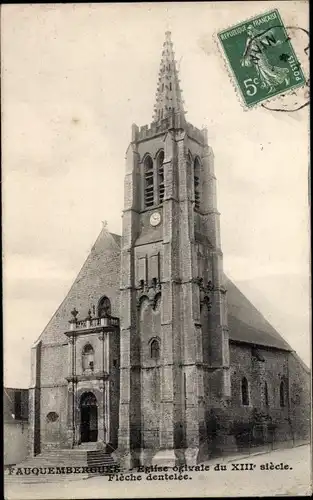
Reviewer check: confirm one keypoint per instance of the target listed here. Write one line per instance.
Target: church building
(154, 354)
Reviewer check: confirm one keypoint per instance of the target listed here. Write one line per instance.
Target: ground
(296, 480)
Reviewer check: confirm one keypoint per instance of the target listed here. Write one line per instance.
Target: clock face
(155, 219)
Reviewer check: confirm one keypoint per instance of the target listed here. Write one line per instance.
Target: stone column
(76, 421)
(107, 410)
(34, 402)
(191, 332)
(101, 422)
(129, 438)
(70, 356)
(70, 415)
(219, 336)
(169, 310)
(70, 395)
(101, 427)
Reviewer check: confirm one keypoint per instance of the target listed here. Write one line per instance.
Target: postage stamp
(261, 58)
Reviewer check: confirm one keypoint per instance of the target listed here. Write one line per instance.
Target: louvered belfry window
(149, 184)
(196, 178)
(161, 176)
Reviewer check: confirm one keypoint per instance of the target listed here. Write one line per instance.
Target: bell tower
(174, 338)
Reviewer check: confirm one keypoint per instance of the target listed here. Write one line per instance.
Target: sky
(74, 79)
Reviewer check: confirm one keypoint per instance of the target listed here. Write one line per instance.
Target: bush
(217, 421)
(240, 428)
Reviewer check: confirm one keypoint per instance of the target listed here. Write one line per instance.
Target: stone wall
(99, 276)
(232, 424)
(300, 398)
(150, 329)
(15, 442)
(245, 364)
(53, 430)
(114, 387)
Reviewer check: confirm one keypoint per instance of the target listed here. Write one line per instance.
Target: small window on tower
(160, 161)
(149, 184)
(170, 85)
(196, 178)
(155, 349)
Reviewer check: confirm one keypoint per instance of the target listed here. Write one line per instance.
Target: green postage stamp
(261, 58)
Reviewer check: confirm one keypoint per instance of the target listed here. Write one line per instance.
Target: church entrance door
(88, 418)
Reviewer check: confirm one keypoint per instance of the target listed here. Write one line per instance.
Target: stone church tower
(174, 359)
(147, 356)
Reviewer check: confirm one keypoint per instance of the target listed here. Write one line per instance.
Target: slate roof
(247, 324)
(117, 238)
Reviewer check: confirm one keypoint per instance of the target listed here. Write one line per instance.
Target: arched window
(266, 394)
(244, 392)
(88, 358)
(282, 394)
(160, 167)
(155, 349)
(149, 186)
(196, 182)
(104, 307)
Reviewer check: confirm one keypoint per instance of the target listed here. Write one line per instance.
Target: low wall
(15, 442)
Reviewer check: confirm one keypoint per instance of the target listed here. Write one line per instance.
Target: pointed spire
(168, 96)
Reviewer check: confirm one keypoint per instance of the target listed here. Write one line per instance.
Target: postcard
(156, 250)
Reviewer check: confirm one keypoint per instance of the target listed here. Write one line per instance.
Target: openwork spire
(168, 95)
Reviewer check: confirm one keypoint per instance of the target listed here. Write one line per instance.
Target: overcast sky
(74, 79)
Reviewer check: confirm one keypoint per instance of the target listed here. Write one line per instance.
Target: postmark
(298, 98)
(261, 58)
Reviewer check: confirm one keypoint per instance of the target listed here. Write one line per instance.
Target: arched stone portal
(88, 418)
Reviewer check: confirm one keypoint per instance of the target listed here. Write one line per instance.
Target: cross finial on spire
(168, 95)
